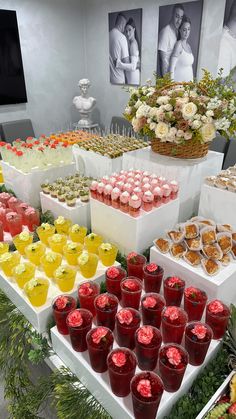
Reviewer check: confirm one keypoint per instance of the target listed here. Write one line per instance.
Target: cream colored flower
(208, 132)
(24, 236)
(180, 133)
(50, 257)
(83, 258)
(163, 100)
(189, 110)
(161, 130)
(5, 257)
(75, 228)
(60, 220)
(106, 246)
(46, 226)
(196, 124)
(152, 126)
(188, 135)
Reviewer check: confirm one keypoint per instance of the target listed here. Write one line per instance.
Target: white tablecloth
(189, 173)
(218, 204)
(92, 164)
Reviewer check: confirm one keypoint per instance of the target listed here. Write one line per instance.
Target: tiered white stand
(220, 286)
(79, 214)
(127, 232)
(93, 164)
(218, 204)
(99, 386)
(39, 316)
(189, 173)
(27, 185)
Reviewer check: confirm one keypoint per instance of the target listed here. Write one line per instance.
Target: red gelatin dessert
(194, 303)
(87, 293)
(79, 322)
(121, 364)
(131, 289)
(152, 277)
(146, 389)
(62, 306)
(173, 360)
(127, 322)
(106, 309)
(174, 320)
(173, 290)
(148, 341)
(14, 222)
(217, 316)
(197, 340)
(32, 218)
(99, 342)
(152, 305)
(114, 276)
(135, 264)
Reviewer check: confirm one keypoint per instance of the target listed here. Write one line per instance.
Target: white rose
(135, 124)
(180, 133)
(138, 103)
(188, 135)
(159, 115)
(173, 131)
(163, 100)
(209, 113)
(161, 130)
(197, 116)
(208, 132)
(189, 110)
(168, 107)
(204, 118)
(152, 126)
(196, 124)
(143, 110)
(152, 112)
(182, 100)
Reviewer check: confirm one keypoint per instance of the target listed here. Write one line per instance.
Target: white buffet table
(218, 204)
(189, 173)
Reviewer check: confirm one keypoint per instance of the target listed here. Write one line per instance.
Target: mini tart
(194, 244)
(193, 258)
(176, 236)
(191, 231)
(225, 260)
(205, 222)
(225, 242)
(210, 266)
(224, 227)
(208, 236)
(163, 245)
(212, 251)
(177, 250)
(221, 182)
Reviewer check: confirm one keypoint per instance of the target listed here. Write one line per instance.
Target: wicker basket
(189, 150)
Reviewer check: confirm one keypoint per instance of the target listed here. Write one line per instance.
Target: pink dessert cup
(198, 337)
(143, 406)
(172, 369)
(217, 317)
(127, 322)
(152, 277)
(100, 343)
(61, 311)
(78, 332)
(174, 320)
(148, 341)
(113, 277)
(121, 369)
(152, 305)
(131, 290)
(106, 308)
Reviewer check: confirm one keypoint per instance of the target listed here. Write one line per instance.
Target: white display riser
(39, 316)
(92, 164)
(218, 204)
(79, 214)
(220, 286)
(129, 233)
(27, 185)
(189, 173)
(99, 385)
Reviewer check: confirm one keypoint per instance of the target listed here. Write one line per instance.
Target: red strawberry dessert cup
(148, 341)
(135, 264)
(152, 277)
(217, 317)
(127, 322)
(173, 290)
(173, 360)
(114, 275)
(152, 305)
(62, 306)
(194, 303)
(87, 293)
(198, 337)
(131, 289)
(100, 343)
(121, 364)
(174, 320)
(106, 308)
(79, 322)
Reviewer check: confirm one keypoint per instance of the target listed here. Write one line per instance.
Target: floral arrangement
(179, 112)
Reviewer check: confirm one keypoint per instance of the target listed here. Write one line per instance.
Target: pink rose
(103, 301)
(112, 272)
(200, 331)
(152, 267)
(215, 307)
(119, 359)
(75, 318)
(149, 302)
(175, 282)
(125, 316)
(192, 292)
(173, 355)
(85, 289)
(131, 285)
(61, 302)
(145, 335)
(100, 333)
(172, 313)
(144, 388)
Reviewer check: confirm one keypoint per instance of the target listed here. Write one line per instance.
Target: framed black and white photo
(178, 40)
(227, 52)
(125, 30)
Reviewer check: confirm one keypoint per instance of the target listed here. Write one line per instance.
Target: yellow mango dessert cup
(77, 233)
(50, 261)
(57, 242)
(65, 278)
(72, 251)
(92, 242)
(88, 263)
(4, 247)
(8, 261)
(107, 253)
(62, 225)
(37, 291)
(34, 252)
(22, 240)
(45, 231)
(23, 273)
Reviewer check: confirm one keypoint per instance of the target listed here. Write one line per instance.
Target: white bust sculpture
(84, 104)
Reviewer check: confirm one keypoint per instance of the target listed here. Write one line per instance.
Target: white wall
(52, 45)
(111, 100)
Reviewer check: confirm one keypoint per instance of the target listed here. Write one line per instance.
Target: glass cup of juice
(100, 343)
(37, 290)
(121, 364)
(62, 306)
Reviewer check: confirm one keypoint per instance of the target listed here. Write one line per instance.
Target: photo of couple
(125, 30)
(178, 40)
(227, 52)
